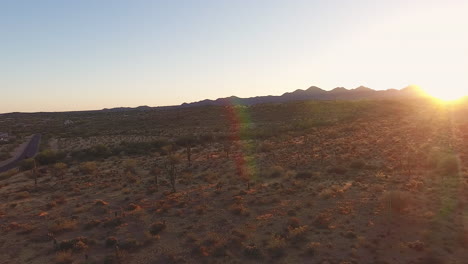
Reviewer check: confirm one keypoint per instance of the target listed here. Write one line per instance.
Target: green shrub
(27, 164)
(49, 157)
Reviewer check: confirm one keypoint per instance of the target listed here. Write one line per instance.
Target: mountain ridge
(315, 93)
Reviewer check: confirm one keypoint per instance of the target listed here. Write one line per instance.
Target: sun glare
(446, 95)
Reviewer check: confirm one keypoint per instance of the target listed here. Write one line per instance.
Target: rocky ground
(386, 190)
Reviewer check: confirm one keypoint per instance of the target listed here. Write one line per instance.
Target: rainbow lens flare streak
(239, 120)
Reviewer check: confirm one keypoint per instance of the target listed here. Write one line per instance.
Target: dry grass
(63, 225)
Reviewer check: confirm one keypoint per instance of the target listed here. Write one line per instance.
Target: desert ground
(304, 182)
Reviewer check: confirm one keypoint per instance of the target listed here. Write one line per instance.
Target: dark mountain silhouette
(315, 93)
(311, 93)
(121, 109)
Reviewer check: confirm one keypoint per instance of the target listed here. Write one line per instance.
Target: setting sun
(442, 94)
(446, 95)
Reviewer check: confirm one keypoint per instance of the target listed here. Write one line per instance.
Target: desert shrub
(140, 148)
(337, 170)
(274, 172)
(303, 125)
(297, 234)
(449, 165)
(130, 165)
(4, 155)
(157, 228)
(59, 198)
(8, 174)
(219, 249)
(294, 222)
(80, 246)
(396, 201)
(350, 234)
(326, 193)
(414, 185)
(186, 141)
(416, 245)
(206, 138)
(312, 247)
(238, 209)
(110, 259)
(322, 220)
(132, 207)
(112, 222)
(27, 164)
(58, 169)
(200, 209)
(129, 244)
(88, 167)
(63, 225)
(445, 162)
(252, 251)
(266, 147)
(23, 228)
(91, 224)
(76, 244)
(111, 241)
(100, 202)
(209, 177)
(357, 165)
(303, 175)
(92, 153)
(47, 157)
(276, 246)
(431, 258)
(22, 195)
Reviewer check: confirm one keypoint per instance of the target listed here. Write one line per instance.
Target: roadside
(26, 150)
(16, 152)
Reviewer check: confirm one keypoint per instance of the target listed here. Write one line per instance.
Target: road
(28, 152)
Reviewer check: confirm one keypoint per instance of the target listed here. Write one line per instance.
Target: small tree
(156, 171)
(227, 147)
(34, 171)
(187, 142)
(171, 168)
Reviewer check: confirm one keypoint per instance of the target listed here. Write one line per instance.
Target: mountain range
(316, 93)
(311, 93)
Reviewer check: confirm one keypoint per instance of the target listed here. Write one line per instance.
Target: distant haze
(88, 54)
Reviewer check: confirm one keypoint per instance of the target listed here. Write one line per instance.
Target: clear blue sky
(91, 54)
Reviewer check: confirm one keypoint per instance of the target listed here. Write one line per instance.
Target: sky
(60, 55)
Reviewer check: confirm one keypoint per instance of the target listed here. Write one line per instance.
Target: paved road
(29, 151)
